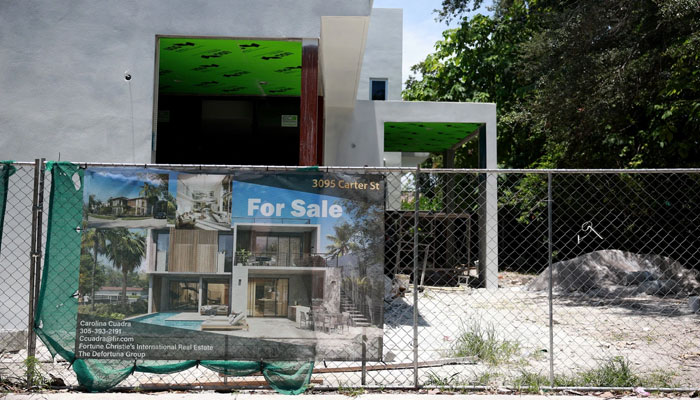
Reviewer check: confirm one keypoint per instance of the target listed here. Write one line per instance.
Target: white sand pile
(606, 272)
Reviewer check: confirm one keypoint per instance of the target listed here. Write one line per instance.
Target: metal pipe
(40, 232)
(385, 169)
(549, 279)
(403, 388)
(416, 200)
(31, 335)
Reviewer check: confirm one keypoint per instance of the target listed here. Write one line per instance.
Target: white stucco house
(236, 82)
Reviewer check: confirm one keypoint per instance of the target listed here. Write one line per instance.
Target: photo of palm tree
(113, 281)
(342, 241)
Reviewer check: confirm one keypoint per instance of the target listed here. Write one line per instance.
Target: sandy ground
(655, 335)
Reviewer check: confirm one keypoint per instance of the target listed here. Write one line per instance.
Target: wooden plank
(244, 382)
(308, 127)
(321, 133)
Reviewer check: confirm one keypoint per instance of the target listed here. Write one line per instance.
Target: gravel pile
(619, 273)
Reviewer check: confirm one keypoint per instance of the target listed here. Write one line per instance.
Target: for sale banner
(245, 266)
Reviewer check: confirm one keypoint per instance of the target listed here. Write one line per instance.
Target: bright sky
(420, 29)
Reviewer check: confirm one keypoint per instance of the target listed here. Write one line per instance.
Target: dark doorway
(227, 130)
(228, 101)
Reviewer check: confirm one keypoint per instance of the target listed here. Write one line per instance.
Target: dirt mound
(621, 273)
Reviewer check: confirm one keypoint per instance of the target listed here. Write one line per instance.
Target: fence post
(549, 279)
(415, 278)
(35, 260)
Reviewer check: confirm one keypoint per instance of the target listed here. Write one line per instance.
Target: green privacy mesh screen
(425, 136)
(230, 67)
(6, 170)
(57, 309)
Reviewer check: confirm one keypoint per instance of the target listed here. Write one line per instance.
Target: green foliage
(35, 377)
(484, 344)
(343, 242)
(351, 391)
(614, 372)
(443, 382)
(577, 84)
(88, 280)
(126, 249)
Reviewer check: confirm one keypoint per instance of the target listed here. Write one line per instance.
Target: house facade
(269, 82)
(271, 268)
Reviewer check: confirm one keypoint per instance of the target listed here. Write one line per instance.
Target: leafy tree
(577, 84)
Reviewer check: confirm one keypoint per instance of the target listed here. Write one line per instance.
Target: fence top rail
(212, 167)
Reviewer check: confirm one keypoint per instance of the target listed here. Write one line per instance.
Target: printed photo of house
(277, 278)
(129, 199)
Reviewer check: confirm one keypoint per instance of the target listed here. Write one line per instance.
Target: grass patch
(483, 343)
(436, 380)
(614, 372)
(486, 378)
(351, 391)
(617, 372)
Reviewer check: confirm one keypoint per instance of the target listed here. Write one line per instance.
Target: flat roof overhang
(430, 137)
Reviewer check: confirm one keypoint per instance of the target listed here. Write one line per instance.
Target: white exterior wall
(356, 137)
(383, 52)
(62, 65)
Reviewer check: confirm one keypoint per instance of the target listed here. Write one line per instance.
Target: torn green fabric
(233, 368)
(6, 170)
(288, 377)
(102, 375)
(57, 309)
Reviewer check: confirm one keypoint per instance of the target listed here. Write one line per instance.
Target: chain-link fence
(494, 278)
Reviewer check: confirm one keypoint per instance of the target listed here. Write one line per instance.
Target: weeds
(530, 382)
(351, 391)
(486, 378)
(484, 344)
(436, 380)
(35, 378)
(614, 372)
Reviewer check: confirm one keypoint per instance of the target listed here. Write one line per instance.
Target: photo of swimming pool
(162, 319)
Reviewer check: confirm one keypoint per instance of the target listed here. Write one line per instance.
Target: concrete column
(201, 294)
(488, 208)
(393, 181)
(150, 294)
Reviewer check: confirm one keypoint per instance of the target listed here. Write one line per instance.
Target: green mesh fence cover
(165, 367)
(57, 309)
(233, 368)
(101, 375)
(288, 377)
(6, 169)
